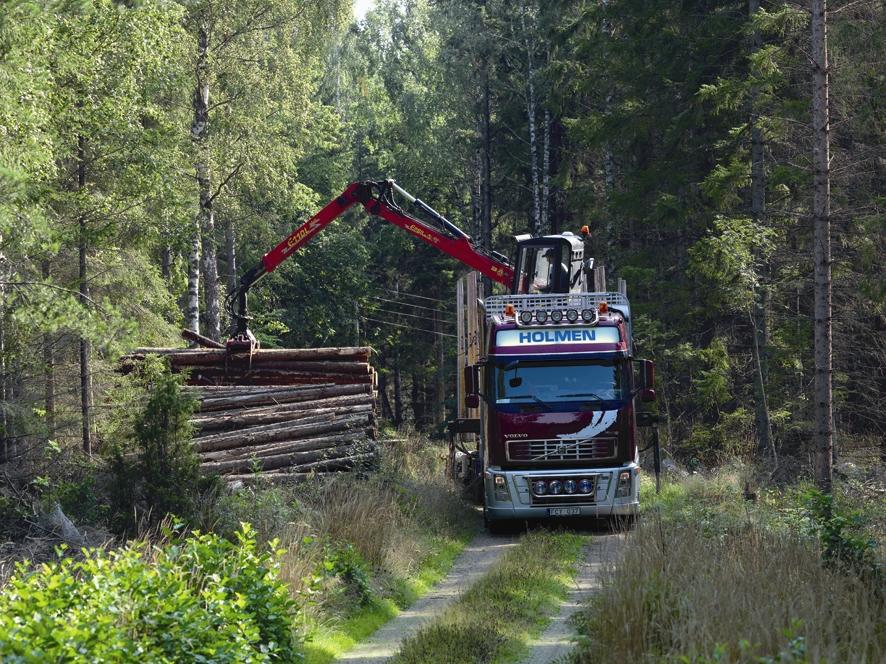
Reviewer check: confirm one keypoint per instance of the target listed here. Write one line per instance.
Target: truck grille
(542, 451)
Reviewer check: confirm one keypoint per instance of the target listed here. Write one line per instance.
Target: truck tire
(495, 527)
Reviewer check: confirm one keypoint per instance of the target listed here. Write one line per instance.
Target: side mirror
(649, 376)
(472, 386)
(647, 395)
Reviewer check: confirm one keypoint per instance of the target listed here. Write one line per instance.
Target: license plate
(564, 511)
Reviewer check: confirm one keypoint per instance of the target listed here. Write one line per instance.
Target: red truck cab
(558, 388)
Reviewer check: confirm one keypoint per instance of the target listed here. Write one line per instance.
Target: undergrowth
(710, 576)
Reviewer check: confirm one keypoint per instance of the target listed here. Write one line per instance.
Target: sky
(362, 6)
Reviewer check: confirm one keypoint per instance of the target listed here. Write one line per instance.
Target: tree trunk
(758, 211)
(4, 374)
(486, 162)
(398, 392)
(166, 262)
(546, 174)
(192, 308)
(440, 374)
(231, 255)
(83, 246)
(824, 407)
(48, 367)
(530, 115)
(205, 214)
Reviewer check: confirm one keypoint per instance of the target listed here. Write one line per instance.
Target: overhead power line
(408, 327)
(406, 304)
(400, 313)
(420, 297)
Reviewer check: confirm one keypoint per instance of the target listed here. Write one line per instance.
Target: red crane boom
(377, 198)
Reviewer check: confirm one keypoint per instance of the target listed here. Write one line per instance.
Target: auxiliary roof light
(572, 315)
(556, 316)
(541, 316)
(603, 307)
(587, 315)
(585, 485)
(555, 487)
(569, 486)
(525, 317)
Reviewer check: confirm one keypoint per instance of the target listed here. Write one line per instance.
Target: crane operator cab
(551, 264)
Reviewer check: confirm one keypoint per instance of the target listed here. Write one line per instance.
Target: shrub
(198, 599)
(163, 477)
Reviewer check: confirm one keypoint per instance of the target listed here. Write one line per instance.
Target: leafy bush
(844, 542)
(197, 599)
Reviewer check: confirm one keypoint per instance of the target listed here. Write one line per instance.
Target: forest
(152, 151)
(729, 160)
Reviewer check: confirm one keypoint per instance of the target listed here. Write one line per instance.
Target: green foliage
(197, 599)
(164, 476)
(844, 540)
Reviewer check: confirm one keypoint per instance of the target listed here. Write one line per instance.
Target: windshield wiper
(534, 398)
(596, 397)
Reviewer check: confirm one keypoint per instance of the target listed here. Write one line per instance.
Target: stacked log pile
(278, 415)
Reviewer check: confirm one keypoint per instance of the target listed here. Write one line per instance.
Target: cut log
(291, 459)
(354, 437)
(273, 479)
(261, 376)
(287, 432)
(218, 356)
(270, 416)
(293, 395)
(206, 342)
(259, 363)
(330, 402)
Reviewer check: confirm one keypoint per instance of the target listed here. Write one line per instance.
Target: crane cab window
(541, 269)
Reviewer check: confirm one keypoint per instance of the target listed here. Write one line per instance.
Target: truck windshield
(551, 382)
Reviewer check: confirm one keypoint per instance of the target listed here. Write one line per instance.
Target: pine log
(247, 433)
(275, 479)
(219, 356)
(291, 459)
(279, 414)
(356, 437)
(202, 419)
(288, 432)
(262, 376)
(342, 463)
(190, 335)
(258, 363)
(293, 395)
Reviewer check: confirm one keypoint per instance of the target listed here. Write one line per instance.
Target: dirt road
(556, 641)
(476, 559)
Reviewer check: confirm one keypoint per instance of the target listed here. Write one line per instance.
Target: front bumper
(519, 503)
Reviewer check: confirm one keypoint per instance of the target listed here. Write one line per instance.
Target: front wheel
(494, 527)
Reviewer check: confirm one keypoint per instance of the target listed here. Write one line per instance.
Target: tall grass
(718, 580)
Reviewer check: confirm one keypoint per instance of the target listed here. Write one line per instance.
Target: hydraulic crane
(377, 197)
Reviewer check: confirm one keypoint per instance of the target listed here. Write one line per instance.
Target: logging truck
(554, 390)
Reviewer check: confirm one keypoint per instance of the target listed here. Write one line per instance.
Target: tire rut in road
(557, 640)
(476, 559)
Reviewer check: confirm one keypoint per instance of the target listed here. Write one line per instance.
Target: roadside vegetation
(305, 569)
(495, 619)
(716, 572)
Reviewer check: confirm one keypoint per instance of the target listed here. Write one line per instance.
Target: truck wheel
(495, 527)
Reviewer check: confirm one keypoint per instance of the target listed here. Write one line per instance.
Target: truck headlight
(500, 486)
(624, 484)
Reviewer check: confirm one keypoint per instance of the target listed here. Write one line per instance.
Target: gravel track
(557, 640)
(471, 564)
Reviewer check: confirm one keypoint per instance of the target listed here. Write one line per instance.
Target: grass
(495, 619)
(359, 550)
(711, 577)
(332, 639)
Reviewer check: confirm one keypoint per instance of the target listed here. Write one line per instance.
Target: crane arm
(377, 198)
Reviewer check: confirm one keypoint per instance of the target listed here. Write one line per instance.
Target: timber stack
(278, 415)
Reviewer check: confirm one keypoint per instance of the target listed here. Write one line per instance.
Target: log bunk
(278, 415)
